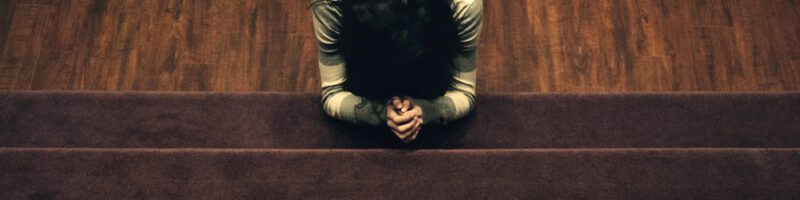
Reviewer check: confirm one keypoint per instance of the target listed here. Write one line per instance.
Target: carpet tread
(295, 120)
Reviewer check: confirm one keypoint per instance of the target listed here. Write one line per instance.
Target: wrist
(430, 115)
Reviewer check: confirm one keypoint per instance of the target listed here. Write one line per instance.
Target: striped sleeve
(457, 102)
(460, 99)
(337, 102)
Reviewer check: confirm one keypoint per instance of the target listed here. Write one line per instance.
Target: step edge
(279, 150)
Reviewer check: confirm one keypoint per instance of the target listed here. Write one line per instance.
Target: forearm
(452, 106)
(346, 106)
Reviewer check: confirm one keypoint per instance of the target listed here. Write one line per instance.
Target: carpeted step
(107, 173)
(295, 120)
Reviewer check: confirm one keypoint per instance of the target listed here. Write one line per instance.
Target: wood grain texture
(526, 46)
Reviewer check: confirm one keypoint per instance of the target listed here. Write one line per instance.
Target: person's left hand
(404, 118)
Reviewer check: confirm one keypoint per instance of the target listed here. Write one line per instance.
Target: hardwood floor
(526, 46)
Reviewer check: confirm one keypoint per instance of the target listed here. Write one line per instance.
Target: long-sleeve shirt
(458, 100)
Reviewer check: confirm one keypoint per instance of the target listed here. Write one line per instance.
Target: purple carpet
(123, 145)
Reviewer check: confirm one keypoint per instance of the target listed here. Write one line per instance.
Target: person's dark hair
(398, 47)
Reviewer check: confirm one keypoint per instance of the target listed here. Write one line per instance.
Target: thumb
(397, 103)
(406, 105)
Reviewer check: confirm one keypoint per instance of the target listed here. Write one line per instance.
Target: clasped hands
(404, 118)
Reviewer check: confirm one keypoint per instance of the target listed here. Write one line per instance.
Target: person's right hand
(404, 119)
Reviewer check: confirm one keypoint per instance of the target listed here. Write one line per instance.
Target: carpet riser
(266, 173)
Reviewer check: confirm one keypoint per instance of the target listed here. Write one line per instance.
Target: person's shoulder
(315, 2)
(325, 6)
(466, 2)
(326, 11)
(467, 8)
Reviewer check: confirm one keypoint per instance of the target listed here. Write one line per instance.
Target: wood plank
(526, 46)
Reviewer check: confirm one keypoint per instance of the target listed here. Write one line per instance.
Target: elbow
(332, 103)
(328, 108)
(463, 104)
(469, 107)
(472, 104)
